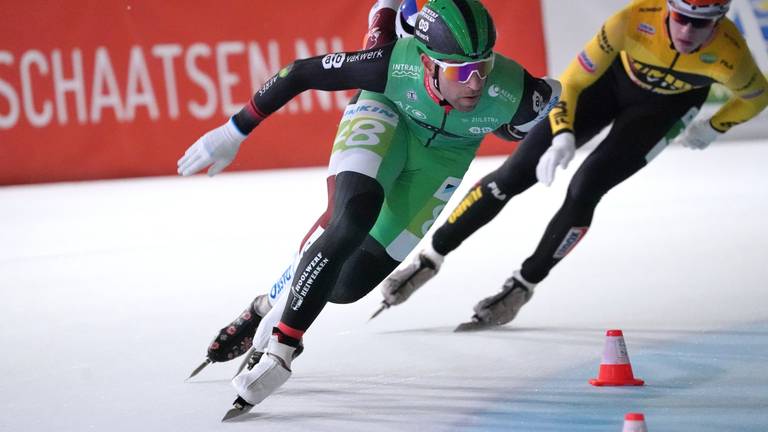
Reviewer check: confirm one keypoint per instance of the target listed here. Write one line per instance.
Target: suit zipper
(442, 127)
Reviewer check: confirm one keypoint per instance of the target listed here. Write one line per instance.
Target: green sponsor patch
(708, 58)
(285, 71)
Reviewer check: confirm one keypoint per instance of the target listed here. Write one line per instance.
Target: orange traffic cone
(615, 369)
(634, 422)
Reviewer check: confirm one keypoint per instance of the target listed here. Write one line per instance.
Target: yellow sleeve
(589, 65)
(750, 95)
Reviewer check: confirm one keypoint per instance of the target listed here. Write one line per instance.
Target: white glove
(218, 147)
(559, 153)
(698, 135)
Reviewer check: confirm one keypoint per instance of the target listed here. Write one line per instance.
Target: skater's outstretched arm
(365, 69)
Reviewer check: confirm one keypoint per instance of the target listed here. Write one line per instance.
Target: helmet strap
(435, 81)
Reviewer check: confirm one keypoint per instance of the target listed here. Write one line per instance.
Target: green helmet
(455, 30)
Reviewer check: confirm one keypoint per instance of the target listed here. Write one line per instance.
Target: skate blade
(199, 368)
(473, 325)
(384, 306)
(239, 408)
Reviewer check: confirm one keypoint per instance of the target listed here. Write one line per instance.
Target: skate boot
(503, 307)
(236, 338)
(272, 371)
(254, 356)
(403, 282)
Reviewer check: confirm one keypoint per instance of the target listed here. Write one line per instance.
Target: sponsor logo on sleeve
(333, 60)
(586, 63)
(605, 45)
(362, 56)
(646, 28)
(267, 85)
(285, 71)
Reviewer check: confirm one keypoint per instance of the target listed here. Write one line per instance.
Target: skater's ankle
(281, 347)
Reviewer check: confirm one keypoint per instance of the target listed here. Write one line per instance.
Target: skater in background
(647, 71)
(402, 147)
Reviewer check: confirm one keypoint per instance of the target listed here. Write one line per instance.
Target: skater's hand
(559, 153)
(698, 135)
(218, 148)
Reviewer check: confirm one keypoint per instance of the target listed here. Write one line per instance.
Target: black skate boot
(236, 338)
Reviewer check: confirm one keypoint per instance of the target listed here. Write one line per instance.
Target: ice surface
(112, 290)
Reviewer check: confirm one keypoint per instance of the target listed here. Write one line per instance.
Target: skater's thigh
(418, 196)
(371, 140)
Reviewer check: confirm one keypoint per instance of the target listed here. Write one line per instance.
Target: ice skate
(237, 337)
(270, 372)
(403, 282)
(500, 308)
(253, 356)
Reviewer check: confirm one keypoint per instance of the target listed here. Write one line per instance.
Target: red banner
(95, 90)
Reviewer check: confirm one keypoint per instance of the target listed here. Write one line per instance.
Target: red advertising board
(95, 90)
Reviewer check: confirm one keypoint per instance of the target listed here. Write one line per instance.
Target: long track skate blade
(474, 325)
(244, 363)
(382, 308)
(239, 407)
(199, 368)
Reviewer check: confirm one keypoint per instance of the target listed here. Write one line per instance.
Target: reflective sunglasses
(683, 20)
(462, 72)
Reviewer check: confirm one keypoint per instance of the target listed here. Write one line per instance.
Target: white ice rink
(112, 290)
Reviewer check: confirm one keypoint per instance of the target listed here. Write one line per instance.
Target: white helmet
(406, 17)
(707, 9)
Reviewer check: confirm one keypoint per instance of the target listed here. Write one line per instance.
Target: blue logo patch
(284, 280)
(586, 62)
(646, 28)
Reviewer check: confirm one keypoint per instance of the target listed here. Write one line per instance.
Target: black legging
(362, 272)
(640, 120)
(357, 201)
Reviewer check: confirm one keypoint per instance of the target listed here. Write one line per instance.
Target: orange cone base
(616, 375)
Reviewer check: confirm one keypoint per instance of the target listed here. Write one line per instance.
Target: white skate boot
(271, 372)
